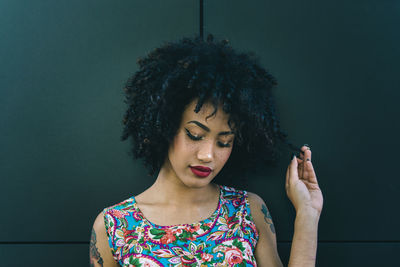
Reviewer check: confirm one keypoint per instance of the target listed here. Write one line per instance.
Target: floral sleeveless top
(227, 238)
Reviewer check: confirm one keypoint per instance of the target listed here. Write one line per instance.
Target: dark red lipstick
(201, 171)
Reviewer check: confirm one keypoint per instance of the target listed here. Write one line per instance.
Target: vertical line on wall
(202, 19)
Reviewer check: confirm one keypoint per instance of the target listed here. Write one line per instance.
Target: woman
(198, 110)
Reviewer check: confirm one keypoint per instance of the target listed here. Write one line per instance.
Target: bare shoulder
(266, 252)
(99, 224)
(254, 198)
(100, 253)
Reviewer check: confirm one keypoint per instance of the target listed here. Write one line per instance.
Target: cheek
(224, 155)
(181, 146)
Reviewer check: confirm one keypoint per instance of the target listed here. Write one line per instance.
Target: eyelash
(199, 138)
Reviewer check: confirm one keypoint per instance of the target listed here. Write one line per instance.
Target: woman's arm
(99, 251)
(266, 252)
(305, 239)
(303, 191)
(304, 243)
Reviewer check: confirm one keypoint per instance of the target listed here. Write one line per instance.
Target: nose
(206, 152)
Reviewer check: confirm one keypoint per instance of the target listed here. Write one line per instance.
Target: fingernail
(292, 156)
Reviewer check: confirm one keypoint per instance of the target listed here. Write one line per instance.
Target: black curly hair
(175, 74)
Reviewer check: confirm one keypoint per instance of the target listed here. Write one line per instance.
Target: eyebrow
(208, 129)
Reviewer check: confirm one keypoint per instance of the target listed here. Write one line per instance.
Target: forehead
(220, 118)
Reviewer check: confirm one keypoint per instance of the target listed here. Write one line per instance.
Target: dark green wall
(337, 65)
(63, 67)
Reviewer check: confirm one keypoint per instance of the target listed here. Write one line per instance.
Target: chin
(194, 182)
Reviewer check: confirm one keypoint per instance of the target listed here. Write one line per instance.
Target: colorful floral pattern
(227, 238)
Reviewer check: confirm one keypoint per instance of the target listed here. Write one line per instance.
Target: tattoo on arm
(94, 253)
(267, 217)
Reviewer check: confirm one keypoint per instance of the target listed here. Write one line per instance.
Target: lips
(201, 171)
(202, 168)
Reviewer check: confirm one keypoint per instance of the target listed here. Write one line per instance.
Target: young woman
(197, 110)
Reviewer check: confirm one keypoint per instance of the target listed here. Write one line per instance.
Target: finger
(310, 173)
(293, 173)
(307, 171)
(302, 150)
(306, 152)
(300, 167)
(305, 149)
(301, 154)
(288, 174)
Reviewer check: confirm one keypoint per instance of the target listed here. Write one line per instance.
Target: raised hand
(301, 183)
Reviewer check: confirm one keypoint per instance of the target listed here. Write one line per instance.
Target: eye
(196, 138)
(224, 145)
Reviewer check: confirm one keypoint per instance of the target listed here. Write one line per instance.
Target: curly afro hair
(175, 74)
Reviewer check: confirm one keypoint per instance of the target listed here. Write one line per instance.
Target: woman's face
(200, 143)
